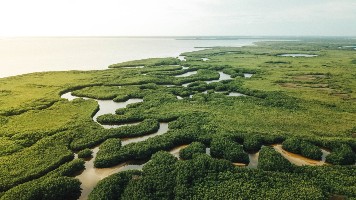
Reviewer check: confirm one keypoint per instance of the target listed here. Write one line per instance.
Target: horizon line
(181, 36)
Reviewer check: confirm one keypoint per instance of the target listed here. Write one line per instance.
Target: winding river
(91, 175)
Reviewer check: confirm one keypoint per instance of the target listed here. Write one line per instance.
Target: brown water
(175, 150)
(298, 159)
(163, 128)
(291, 157)
(91, 175)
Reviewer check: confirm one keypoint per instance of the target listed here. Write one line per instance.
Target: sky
(177, 17)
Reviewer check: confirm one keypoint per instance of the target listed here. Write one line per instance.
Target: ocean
(21, 55)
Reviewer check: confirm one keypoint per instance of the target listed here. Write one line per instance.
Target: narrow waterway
(106, 107)
(91, 175)
(298, 159)
(186, 74)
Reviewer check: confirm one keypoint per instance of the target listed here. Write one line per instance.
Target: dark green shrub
(225, 148)
(273, 139)
(56, 188)
(342, 155)
(113, 186)
(252, 143)
(193, 148)
(94, 137)
(157, 181)
(85, 153)
(292, 145)
(302, 147)
(271, 160)
(310, 151)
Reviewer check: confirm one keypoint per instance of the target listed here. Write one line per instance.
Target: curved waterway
(222, 77)
(295, 159)
(298, 159)
(91, 175)
(187, 74)
(106, 107)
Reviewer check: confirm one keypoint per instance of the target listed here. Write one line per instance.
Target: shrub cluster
(271, 160)
(193, 148)
(85, 153)
(252, 143)
(222, 147)
(302, 147)
(92, 137)
(342, 155)
(54, 185)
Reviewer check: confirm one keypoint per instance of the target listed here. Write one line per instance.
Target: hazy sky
(176, 17)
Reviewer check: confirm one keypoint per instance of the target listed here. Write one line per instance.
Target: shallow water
(236, 94)
(298, 159)
(253, 160)
(222, 77)
(20, 55)
(182, 58)
(169, 85)
(109, 106)
(163, 128)
(185, 84)
(187, 74)
(175, 150)
(91, 175)
(106, 107)
(246, 75)
(205, 59)
(350, 47)
(135, 67)
(298, 55)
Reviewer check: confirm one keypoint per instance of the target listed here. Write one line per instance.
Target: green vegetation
(203, 177)
(270, 160)
(227, 149)
(193, 148)
(342, 155)
(306, 103)
(85, 153)
(95, 136)
(54, 185)
(113, 186)
(148, 62)
(304, 148)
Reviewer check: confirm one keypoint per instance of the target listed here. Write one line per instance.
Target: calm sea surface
(36, 54)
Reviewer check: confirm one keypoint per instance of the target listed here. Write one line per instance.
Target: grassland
(287, 98)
